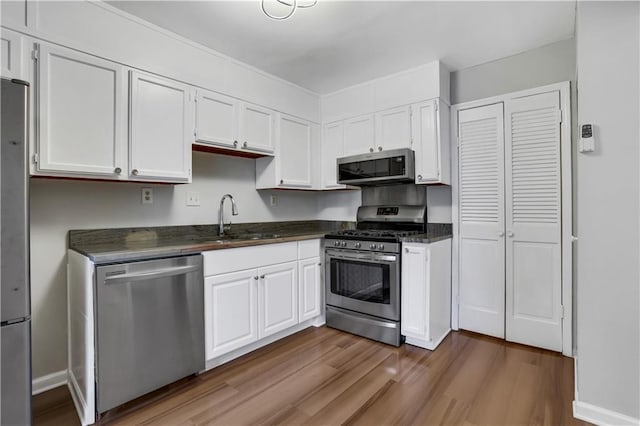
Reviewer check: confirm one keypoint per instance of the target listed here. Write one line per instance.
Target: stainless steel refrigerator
(15, 390)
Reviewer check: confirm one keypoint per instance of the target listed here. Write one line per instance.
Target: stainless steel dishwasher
(150, 326)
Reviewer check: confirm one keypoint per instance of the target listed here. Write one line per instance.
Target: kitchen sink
(253, 236)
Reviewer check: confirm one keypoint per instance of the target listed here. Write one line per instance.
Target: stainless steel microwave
(378, 168)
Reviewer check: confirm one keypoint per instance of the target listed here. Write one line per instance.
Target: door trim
(564, 88)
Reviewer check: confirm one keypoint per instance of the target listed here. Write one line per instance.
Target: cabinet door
(359, 135)
(217, 119)
(12, 55)
(426, 143)
(257, 131)
(162, 128)
(294, 152)
(278, 298)
(332, 149)
(393, 128)
(533, 221)
(481, 209)
(415, 292)
(310, 288)
(80, 105)
(231, 306)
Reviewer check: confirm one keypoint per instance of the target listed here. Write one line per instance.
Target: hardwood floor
(324, 377)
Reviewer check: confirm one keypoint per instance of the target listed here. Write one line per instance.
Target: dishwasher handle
(144, 276)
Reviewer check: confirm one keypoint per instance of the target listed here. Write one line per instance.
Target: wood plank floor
(325, 377)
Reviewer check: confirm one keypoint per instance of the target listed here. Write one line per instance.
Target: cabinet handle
(370, 149)
(255, 278)
(134, 172)
(262, 277)
(244, 145)
(117, 170)
(235, 144)
(510, 234)
(379, 148)
(419, 177)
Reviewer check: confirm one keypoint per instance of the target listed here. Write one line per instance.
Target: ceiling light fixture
(292, 4)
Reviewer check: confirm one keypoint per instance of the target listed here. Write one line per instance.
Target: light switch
(193, 198)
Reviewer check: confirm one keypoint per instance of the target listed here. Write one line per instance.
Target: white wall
(548, 64)
(58, 206)
(608, 194)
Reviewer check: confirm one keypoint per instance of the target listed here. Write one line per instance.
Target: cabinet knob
(255, 278)
(419, 177)
(134, 172)
(281, 181)
(379, 148)
(244, 145)
(510, 234)
(235, 144)
(262, 277)
(319, 264)
(117, 170)
(370, 149)
(406, 250)
(500, 234)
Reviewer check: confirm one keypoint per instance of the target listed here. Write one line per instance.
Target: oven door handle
(389, 258)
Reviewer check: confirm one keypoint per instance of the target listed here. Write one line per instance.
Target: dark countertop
(127, 244)
(435, 232)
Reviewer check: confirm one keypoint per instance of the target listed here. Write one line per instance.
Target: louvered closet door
(534, 276)
(481, 204)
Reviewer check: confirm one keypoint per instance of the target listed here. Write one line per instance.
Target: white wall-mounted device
(587, 141)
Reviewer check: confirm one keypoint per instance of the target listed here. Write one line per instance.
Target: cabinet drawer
(309, 248)
(236, 259)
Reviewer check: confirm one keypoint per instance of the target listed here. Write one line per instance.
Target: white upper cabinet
(294, 151)
(332, 148)
(257, 128)
(12, 53)
(162, 127)
(430, 125)
(81, 115)
(217, 119)
(393, 128)
(359, 135)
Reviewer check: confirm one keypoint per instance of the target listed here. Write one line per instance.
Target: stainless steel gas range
(363, 282)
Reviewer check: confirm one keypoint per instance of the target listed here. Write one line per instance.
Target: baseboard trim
(48, 382)
(601, 416)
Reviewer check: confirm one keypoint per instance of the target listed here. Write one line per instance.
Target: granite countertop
(127, 244)
(435, 232)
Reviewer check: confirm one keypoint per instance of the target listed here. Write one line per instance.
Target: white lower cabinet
(231, 302)
(426, 293)
(255, 292)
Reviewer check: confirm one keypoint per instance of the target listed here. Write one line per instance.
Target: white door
(231, 307)
(481, 206)
(393, 128)
(278, 298)
(359, 135)
(257, 128)
(162, 128)
(81, 110)
(332, 149)
(415, 292)
(12, 54)
(426, 141)
(533, 227)
(309, 288)
(294, 152)
(217, 119)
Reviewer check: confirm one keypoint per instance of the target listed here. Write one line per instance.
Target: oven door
(365, 282)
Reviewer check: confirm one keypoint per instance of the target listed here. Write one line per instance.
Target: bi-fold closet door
(510, 277)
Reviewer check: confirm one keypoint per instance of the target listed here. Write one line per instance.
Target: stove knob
(344, 244)
(372, 246)
(381, 246)
(336, 243)
(358, 245)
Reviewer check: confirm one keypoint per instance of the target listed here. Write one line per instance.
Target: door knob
(510, 234)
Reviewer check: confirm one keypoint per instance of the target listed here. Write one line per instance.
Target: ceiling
(337, 44)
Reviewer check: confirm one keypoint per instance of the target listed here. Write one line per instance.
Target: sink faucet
(234, 211)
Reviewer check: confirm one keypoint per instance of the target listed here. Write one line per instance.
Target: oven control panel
(362, 245)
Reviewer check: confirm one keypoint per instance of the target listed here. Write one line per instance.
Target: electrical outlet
(274, 200)
(193, 198)
(147, 196)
